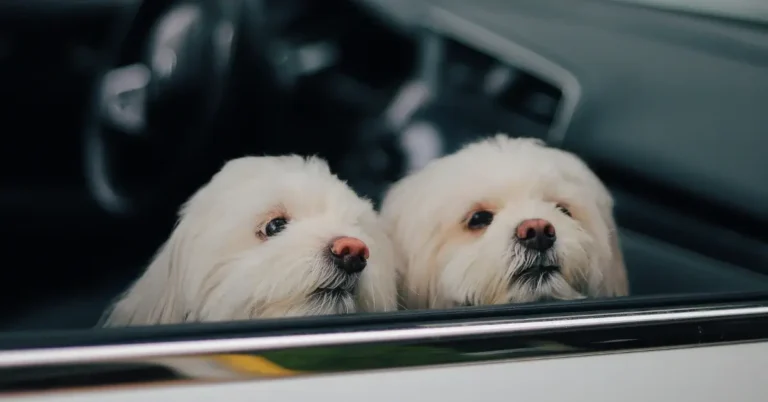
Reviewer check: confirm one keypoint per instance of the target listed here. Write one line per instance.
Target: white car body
(733, 372)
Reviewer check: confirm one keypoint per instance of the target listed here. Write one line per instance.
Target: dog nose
(536, 234)
(349, 254)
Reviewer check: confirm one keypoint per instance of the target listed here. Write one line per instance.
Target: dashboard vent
(469, 72)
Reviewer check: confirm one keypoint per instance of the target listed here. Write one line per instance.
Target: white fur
(215, 267)
(443, 264)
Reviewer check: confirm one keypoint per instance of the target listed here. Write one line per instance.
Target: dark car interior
(667, 107)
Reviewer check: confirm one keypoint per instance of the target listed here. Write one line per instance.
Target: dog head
(266, 237)
(504, 221)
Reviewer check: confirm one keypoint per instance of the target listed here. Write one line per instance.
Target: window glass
(208, 163)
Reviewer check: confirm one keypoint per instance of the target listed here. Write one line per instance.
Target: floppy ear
(614, 273)
(155, 298)
(399, 264)
(378, 288)
(412, 287)
(416, 287)
(615, 281)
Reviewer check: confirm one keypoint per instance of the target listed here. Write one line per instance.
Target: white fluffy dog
(504, 220)
(266, 237)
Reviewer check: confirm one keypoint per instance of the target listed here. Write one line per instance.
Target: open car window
(665, 108)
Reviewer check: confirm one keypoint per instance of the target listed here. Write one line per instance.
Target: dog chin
(332, 301)
(317, 289)
(546, 284)
(321, 301)
(536, 284)
(538, 276)
(337, 297)
(540, 281)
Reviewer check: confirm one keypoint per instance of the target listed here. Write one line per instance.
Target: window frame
(279, 348)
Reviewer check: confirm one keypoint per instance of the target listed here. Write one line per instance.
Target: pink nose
(351, 246)
(536, 234)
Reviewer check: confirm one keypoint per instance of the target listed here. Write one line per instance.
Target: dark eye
(479, 220)
(275, 226)
(563, 209)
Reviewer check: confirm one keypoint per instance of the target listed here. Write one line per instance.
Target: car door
(694, 325)
(627, 349)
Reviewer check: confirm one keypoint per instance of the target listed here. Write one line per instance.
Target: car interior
(666, 106)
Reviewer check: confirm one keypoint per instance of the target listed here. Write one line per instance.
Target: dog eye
(563, 209)
(275, 226)
(479, 220)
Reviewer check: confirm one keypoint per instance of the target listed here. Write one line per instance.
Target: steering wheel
(167, 93)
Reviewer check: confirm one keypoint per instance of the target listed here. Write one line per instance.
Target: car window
(279, 189)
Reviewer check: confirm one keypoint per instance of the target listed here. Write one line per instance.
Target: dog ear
(614, 273)
(155, 298)
(405, 296)
(378, 287)
(615, 281)
(411, 291)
